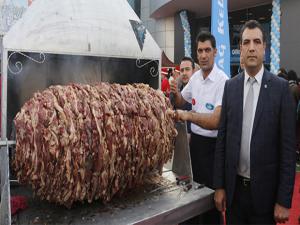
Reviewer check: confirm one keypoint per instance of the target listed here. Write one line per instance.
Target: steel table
(170, 206)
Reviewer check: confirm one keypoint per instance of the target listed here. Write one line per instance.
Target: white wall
(162, 30)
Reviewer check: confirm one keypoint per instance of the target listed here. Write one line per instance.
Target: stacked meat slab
(89, 142)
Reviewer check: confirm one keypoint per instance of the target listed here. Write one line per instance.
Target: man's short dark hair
(252, 24)
(186, 58)
(206, 36)
(282, 70)
(282, 75)
(292, 75)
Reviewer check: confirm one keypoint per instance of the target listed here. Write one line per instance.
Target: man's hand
(178, 114)
(175, 94)
(220, 199)
(182, 115)
(173, 87)
(281, 214)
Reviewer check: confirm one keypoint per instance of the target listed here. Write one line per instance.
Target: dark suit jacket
(273, 143)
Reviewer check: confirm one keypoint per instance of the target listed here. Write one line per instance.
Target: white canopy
(80, 27)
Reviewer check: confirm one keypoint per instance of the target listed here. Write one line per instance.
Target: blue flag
(220, 29)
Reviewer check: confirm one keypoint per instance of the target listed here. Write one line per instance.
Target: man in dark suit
(255, 152)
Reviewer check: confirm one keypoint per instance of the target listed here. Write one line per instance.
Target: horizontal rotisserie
(89, 142)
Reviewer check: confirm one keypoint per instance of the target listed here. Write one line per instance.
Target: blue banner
(220, 29)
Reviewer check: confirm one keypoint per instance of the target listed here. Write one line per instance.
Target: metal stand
(182, 165)
(5, 215)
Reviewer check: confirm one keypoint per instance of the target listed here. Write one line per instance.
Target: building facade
(290, 35)
(163, 20)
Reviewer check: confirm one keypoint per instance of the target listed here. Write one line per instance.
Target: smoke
(65, 69)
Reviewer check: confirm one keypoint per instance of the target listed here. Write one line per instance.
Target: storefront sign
(220, 29)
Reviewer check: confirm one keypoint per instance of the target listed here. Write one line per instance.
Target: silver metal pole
(4, 94)
(5, 212)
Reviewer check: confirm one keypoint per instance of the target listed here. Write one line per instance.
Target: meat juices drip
(90, 142)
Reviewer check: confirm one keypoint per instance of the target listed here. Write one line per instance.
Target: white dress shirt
(205, 95)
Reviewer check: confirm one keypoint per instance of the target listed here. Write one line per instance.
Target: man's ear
(215, 52)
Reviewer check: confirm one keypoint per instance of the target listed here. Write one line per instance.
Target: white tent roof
(80, 27)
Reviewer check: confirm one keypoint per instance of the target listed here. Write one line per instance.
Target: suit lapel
(240, 100)
(262, 99)
(239, 110)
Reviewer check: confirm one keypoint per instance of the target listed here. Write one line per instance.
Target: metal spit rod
(7, 143)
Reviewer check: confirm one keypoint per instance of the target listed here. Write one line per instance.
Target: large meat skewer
(88, 142)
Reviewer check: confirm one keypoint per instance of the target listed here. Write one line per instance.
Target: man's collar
(258, 76)
(212, 75)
